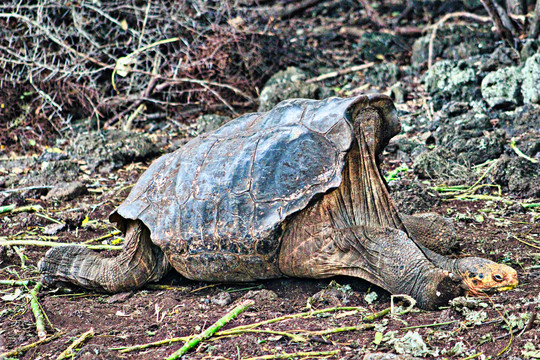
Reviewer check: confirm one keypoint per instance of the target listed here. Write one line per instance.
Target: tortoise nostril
(497, 277)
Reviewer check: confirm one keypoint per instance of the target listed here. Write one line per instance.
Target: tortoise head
(376, 117)
(481, 276)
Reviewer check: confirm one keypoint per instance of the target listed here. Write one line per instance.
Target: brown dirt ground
(186, 307)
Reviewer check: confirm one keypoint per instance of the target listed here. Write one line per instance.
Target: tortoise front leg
(433, 231)
(384, 256)
(139, 263)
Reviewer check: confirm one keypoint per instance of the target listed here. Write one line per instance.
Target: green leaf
(378, 338)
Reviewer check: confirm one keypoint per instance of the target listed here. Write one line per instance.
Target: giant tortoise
(295, 191)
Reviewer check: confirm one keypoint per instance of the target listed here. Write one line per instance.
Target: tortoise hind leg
(139, 263)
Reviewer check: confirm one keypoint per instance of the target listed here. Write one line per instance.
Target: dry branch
(69, 351)
(340, 72)
(25, 348)
(501, 20)
(56, 244)
(442, 21)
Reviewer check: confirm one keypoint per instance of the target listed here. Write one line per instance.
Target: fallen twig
(25, 348)
(294, 316)
(212, 329)
(530, 323)
(240, 329)
(294, 8)
(310, 355)
(501, 20)
(106, 236)
(340, 72)
(25, 188)
(17, 282)
(372, 14)
(38, 314)
(152, 344)
(69, 351)
(442, 21)
(56, 244)
(520, 153)
(429, 325)
(14, 209)
(526, 243)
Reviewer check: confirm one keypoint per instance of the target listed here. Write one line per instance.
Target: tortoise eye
(497, 277)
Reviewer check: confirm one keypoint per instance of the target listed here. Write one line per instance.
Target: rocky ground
(469, 150)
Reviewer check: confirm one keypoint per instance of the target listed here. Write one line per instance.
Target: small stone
(120, 297)
(260, 295)
(53, 229)
(66, 191)
(222, 299)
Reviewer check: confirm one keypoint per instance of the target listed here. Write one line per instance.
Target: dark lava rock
(374, 46)
(108, 150)
(53, 172)
(452, 80)
(329, 297)
(382, 75)
(66, 191)
(501, 57)
(502, 88)
(413, 197)
(520, 176)
(455, 156)
(449, 44)
(287, 84)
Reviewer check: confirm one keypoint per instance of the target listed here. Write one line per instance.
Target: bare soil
(185, 307)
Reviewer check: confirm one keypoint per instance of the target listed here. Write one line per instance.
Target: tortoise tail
(139, 263)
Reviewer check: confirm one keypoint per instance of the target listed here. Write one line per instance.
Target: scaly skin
(139, 263)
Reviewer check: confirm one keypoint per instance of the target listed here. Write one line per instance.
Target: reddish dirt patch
(187, 307)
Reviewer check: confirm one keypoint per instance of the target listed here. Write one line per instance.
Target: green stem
(429, 325)
(56, 244)
(153, 344)
(17, 282)
(38, 314)
(69, 351)
(25, 348)
(212, 329)
(293, 316)
(7, 208)
(377, 315)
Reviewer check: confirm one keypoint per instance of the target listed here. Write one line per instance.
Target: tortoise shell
(217, 205)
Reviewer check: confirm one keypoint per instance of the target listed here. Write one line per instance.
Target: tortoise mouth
(492, 290)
